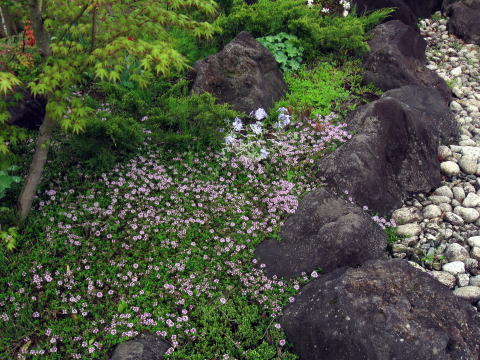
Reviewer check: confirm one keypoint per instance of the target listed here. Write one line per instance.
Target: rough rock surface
(402, 13)
(464, 21)
(392, 154)
(397, 58)
(386, 309)
(325, 232)
(28, 112)
(244, 74)
(143, 347)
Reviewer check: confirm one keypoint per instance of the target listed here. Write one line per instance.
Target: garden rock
(325, 232)
(244, 74)
(454, 268)
(29, 112)
(445, 278)
(456, 252)
(397, 58)
(392, 154)
(407, 215)
(450, 168)
(402, 13)
(464, 20)
(474, 241)
(143, 347)
(469, 293)
(430, 104)
(386, 309)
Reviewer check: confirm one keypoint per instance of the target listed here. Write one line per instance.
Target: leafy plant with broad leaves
(285, 48)
(6, 180)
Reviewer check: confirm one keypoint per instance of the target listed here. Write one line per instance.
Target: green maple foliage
(88, 37)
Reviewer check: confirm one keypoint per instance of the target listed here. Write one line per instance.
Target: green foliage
(106, 139)
(181, 121)
(285, 48)
(392, 235)
(315, 90)
(6, 180)
(318, 33)
(190, 47)
(99, 39)
(9, 238)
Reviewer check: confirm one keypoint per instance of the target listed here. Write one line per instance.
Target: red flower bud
(130, 38)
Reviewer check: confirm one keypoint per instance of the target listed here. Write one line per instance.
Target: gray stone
(444, 190)
(457, 71)
(445, 278)
(467, 214)
(445, 207)
(464, 20)
(456, 252)
(468, 164)
(471, 201)
(443, 153)
(463, 280)
(409, 230)
(454, 219)
(474, 241)
(475, 281)
(458, 193)
(471, 266)
(454, 268)
(450, 168)
(143, 347)
(469, 293)
(437, 200)
(407, 215)
(431, 211)
(475, 253)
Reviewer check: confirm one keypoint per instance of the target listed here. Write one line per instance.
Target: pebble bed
(441, 231)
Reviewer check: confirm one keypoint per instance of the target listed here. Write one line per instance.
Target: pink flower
(281, 342)
(223, 300)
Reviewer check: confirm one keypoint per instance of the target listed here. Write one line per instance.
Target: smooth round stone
(409, 230)
(471, 265)
(468, 164)
(475, 280)
(463, 280)
(457, 71)
(458, 193)
(450, 168)
(467, 214)
(454, 268)
(407, 215)
(456, 252)
(474, 241)
(468, 142)
(444, 191)
(444, 152)
(416, 266)
(455, 106)
(431, 211)
(471, 201)
(445, 278)
(454, 219)
(437, 199)
(445, 207)
(475, 253)
(470, 293)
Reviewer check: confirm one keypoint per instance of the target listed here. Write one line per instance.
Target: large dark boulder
(384, 310)
(432, 110)
(393, 153)
(244, 74)
(397, 58)
(143, 347)
(27, 112)
(464, 21)
(325, 232)
(402, 13)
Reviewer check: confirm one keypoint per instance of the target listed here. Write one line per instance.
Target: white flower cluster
(346, 6)
(254, 146)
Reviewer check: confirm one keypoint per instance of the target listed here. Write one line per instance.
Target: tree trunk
(36, 167)
(41, 35)
(6, 23)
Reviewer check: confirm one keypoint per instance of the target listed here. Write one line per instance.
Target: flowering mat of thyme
(166, 247)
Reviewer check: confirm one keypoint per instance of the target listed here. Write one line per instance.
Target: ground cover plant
(149, 220)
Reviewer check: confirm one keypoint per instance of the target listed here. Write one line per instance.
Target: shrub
(190, 47)
(317, 31)
(184, 121)
(285, 48)
(315, 90)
